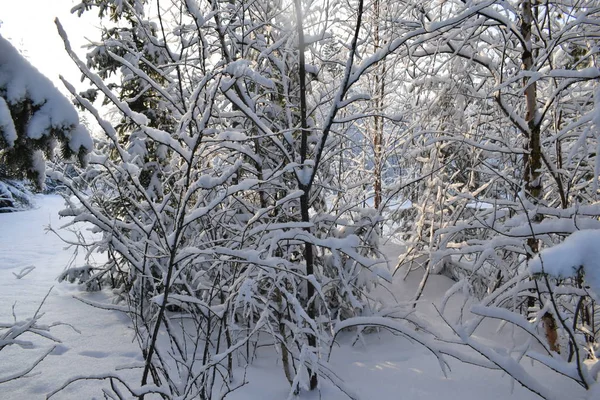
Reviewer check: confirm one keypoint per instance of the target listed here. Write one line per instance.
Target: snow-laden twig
(10, 333)
(24, 272)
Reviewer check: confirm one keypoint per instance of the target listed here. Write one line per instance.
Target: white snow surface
(7, 126)
(579, 250)
(19, 80)
(380, 366)
(105, 341)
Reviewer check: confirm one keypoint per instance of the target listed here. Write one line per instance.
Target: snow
(7, 126)
(39, 164)
(19, 81)
(80, 138)
(241, 68)
(579, 251)
(99, 343)
(232, 135)
(192, 7)
(105, 339)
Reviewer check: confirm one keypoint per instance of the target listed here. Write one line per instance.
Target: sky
(29, 25)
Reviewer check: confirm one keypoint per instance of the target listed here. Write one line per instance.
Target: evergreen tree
(34, 118)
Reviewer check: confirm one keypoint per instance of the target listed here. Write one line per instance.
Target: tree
(230, 194)
(224, 233)
(523, 133)
(34, 117)
(496, 160)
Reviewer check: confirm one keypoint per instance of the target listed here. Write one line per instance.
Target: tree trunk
(378, 119)
(304, 185)
(533, 158)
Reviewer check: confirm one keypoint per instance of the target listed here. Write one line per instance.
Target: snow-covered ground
(105, 340)
(382, 367)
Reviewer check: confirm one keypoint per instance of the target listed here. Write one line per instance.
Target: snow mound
(579, 251)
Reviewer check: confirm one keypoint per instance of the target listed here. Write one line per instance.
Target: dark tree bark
(304, 184)
(533, 158)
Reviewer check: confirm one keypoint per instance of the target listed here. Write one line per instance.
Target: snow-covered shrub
(204, 200)
(508, 172)
(564, 281)
(212, 191)
(572, 267)
(14, 195)
(577, 258)
(347, 279)
(85, 275)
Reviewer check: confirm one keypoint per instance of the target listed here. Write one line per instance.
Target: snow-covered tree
(522, 141)
(232, 231)
(233, 192)
(481, 85)
(34, 118)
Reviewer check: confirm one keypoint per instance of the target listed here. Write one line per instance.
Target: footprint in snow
(130, 354)
(59, 349)
(94, 354)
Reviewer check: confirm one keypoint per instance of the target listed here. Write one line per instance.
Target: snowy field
(95, 341)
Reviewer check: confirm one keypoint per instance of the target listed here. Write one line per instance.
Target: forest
(240, 166)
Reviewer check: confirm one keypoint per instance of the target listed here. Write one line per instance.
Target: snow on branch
(32, 110)
(11, 332)
(578, 252)
(19, 81)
